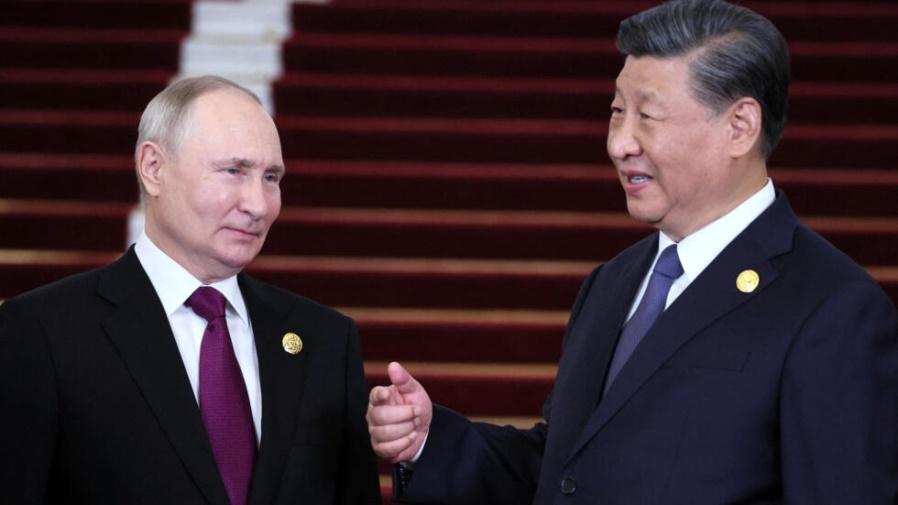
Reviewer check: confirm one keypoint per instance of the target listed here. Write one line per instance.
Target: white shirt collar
(174, 284)
(699, 249)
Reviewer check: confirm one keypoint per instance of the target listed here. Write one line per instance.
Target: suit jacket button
(568, 485)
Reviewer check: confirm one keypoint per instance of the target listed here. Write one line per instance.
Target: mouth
(635, 181)
(244, 233)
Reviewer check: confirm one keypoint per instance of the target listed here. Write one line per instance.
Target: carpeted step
(478, 389)
(547, 58)
(460, 284)
(547, 141)
(98, 14)
(583, 19)
(65, 225)
(432, 139)
(23, 269)
(360, 282)
(435, 335)
(121, 90)
(68, 177)
(157, 49)
(450, 55)
(797, 20)
(477, 97)
(426, 185)
(406, 233)
(518, 234)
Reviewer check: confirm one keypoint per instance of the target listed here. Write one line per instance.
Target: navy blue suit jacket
(785, 395)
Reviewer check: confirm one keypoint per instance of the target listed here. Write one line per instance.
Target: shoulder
(259, 291)
(68, 293)
(635, 256)
(815, 258)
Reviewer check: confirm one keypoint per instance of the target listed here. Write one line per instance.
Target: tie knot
(668, 263)
(207, 303)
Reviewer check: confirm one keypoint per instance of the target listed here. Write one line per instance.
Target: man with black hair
(734, 357)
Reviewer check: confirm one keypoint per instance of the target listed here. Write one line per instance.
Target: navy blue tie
(666, 271)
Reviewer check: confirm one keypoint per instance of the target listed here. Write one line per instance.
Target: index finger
(390, 414)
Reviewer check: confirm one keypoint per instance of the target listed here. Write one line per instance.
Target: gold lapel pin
(748, 281)
(292, 343)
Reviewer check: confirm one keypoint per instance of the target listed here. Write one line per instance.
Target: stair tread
(416, 83)
(426, 370)
(455, 317)
(91, 35)
(85, 76)
(548, 127)
(437, 217)
(90, 163)
(496, 84)
(805, 8)
(567, 45)
(349, 265)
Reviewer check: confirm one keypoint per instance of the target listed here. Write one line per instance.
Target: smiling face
(674, 156)
(210, 203)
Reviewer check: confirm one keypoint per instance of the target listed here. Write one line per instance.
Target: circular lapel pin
(748, 281)
(292, 343)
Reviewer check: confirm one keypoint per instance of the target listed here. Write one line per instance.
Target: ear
(745, 126)
(150, 160)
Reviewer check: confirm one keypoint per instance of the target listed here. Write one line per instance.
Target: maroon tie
(224, 404)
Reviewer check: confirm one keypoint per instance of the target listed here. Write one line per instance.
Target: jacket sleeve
(839, 403)
(359, 482)
(28, 404)
(465, 462)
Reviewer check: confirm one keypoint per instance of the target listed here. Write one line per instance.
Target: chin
(237, 260)
(641, 214)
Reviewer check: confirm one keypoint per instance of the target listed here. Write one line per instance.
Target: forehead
(233, 124)
(654, 79)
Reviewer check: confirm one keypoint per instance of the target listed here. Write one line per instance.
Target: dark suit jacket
(785, 395)
(96, 407)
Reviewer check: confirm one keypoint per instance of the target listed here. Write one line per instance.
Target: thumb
(400, 378)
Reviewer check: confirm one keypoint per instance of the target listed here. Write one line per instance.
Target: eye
(272, 177)
(643, 115)
(617, 110)
(232, 171)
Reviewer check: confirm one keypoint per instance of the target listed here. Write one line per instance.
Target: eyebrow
(245, 163)
(648, 95)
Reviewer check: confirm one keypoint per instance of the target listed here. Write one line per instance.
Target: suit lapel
(712, 295)
(594, 333)
(140, 331)
(282, 377)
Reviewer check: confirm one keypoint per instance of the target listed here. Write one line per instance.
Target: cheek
(274, 204)
(216, 201)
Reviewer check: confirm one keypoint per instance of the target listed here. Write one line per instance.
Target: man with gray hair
(734, 357)
(170, 376)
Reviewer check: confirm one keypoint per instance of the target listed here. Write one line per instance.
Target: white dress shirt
(174, 284)
(699, 249)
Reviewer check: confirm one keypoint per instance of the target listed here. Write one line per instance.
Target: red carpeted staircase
(447, 183)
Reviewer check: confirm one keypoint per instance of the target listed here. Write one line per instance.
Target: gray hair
(741, 54)
(165, 119)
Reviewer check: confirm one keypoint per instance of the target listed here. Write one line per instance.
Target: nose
(257, 200)
(622, 142)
